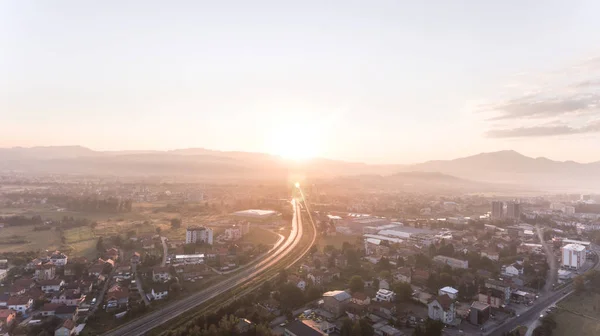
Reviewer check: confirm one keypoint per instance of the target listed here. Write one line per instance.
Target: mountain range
(502, 167)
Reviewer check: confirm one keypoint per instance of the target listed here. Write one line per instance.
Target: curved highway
(156, 318)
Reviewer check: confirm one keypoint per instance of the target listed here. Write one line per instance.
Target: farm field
(337, 241)
(33, 240)
(569, 319)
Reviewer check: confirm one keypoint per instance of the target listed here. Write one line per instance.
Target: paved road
(170, 311)
(165, 250)
(540, 306)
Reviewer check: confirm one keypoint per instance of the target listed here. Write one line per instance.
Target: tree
(100, 245)
(383, 264)
(403, 291)
(175, 223)
(290, 296)
(357, 284)
(158, 230)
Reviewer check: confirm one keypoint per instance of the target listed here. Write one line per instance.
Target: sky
(373, 81)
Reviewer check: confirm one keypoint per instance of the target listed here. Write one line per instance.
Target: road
(528, 317)
(156, 318)
(165, 250)
(138, 283)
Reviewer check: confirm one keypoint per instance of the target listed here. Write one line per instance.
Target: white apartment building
(573, 256)
(196, 234)
(385, 295)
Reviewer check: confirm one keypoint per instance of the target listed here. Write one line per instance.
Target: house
(58, 258)
(513, 270)
(159, 291)
(112, 253)
(68, 297)
(383, 309)
(442, 309)
(387, 330)
(296, 281)
(451, 292)
(492, 255)
(403, 274)
(48, 309)
(161, 273)
(66, 312)
(7, 317)
(135, 258)
(66, 329)
(19, 303)
(492, 297)
(335, 302)
(340, 261)
(244, 326)
(298, 328)
(385, 295)
(123, 272)
(50, 286)
(119, 296)
(71, 269)
(32, 265)
(360, 299)
(501, 286)
(45, 271)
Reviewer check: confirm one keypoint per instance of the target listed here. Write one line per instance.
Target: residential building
(123, 272)
(58, 258)
(66, 312)
(297, 328)
(161, 273)
(497, 210)
(403, 274)
(451, 292)
(3, 274)
(335, 302)
(442, 309)
(45, 271)
(66, 329)
(492, 297)
(452, 262)
(492, 255)
(385, 295)
(19, 303)
(513, 210)
(159, 291)
(297, 281)
(68, 297)
(512, 270)
(237, 231)
(48, 309)
(479, 313)
(360, 299)
(195, 234)
(501, 286)
(50, 286)
(573, 256)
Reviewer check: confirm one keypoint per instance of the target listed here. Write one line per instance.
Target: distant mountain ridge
(495, 167)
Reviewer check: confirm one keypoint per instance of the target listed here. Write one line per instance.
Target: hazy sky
(376, 81)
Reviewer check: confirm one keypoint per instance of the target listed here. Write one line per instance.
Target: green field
(569, 319)
(35, 240)
(260, 236)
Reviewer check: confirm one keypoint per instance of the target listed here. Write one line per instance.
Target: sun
(295, 141)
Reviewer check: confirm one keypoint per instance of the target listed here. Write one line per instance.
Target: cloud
(538, 107)
(543, 131)
(569, 95)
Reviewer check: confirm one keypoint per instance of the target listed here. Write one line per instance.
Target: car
(282, 324)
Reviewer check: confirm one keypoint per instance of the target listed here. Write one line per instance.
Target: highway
(156, 318)
(539, 307)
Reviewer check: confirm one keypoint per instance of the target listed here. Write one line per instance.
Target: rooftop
(255, 213)
(479, 305)
(574, 247)
(449, 289)
(338, 295)
(299, 328)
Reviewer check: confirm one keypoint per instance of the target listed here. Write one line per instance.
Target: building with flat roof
(452, 262)
(298, 328)
(195, 234)
(573, 256)
(256, 214)
(479, 313)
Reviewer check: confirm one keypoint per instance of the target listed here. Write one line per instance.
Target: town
(94, 257)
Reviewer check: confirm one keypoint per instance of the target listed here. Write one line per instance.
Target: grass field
(568, 320)
(260, 236)
(336, 240)
(36, 240)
